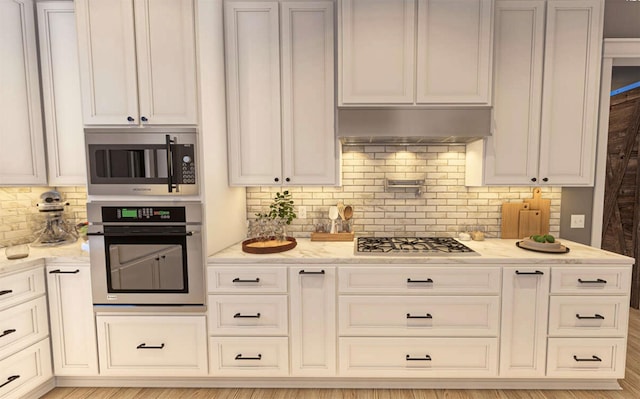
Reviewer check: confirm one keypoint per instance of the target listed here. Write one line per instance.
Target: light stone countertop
(491, 251)
(69, 253)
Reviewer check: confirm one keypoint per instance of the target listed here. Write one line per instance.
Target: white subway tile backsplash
(443, 208)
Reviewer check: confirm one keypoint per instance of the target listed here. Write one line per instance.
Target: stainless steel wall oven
(146, 253)
(153, 161)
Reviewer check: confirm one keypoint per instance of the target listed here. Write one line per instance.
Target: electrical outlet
(577, 221)
(302, 212)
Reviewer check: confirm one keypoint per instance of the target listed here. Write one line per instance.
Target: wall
(19, 216)
(621, 18)
(444, 207)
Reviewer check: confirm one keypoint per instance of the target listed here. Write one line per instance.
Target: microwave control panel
(185, 172)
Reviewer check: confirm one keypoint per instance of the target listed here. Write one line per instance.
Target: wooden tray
(332, 237)
(272, 246)
(552, 249)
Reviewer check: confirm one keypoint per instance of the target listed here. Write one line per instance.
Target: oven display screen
(143, 214)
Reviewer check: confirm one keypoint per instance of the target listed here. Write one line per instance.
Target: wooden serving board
(511, 218)
(332, 237)
(529, 223)
(544, 206)
(272, 246)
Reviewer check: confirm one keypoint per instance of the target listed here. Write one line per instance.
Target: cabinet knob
(533, 179)
(276, 179)
(144, 119)
(546, 179)
(287, 180)
(130, 118)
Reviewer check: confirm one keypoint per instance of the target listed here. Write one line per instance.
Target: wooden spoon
(348, 212)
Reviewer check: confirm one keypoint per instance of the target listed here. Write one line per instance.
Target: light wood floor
(630, 385)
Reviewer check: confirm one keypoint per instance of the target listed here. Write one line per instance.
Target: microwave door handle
(169, 163)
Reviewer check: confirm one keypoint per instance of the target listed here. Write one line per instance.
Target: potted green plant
(281, 213)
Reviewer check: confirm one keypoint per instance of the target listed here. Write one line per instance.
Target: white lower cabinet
(586, 357)
(152, 345)
(73, 328)
(418, 357)
(24, 371)
(313, 323)
(22, 325)
(501, 323)
(249, 356)
(525, 302)
(588, 322)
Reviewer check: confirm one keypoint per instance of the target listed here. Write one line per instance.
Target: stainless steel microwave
(153, 161)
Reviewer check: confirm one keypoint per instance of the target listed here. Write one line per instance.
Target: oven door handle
(170, 184)
(147, 234)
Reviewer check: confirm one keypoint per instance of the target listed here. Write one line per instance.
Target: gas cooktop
(417, 246)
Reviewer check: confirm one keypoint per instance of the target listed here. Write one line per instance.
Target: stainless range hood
(413, 126)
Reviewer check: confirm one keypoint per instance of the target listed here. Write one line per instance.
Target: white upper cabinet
(414, 52)
(22, 159)
(280, 93)
(570, 91)
(61, 93)
(454, 51)
(545, 95)
(137, 61)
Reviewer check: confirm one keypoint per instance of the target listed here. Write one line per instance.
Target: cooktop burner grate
(443, 246)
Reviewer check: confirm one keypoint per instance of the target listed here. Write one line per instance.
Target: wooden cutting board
(544, 206)
(511, 218)
(529, 223)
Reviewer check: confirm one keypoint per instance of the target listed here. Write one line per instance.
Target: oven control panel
(132, 214)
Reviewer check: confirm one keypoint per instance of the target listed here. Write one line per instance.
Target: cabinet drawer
(23, 325)
(419, 316)
(22, 286)
(247, 279)
(25, 370)
(245, 356)
(602, 316)
(420, 280)
(248, 315)
(418, 357)
(152, 345)
(586, 357)
(591, 280)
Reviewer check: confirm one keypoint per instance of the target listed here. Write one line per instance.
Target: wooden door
(621, 219)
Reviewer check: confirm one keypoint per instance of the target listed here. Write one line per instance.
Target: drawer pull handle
(11, 378)
(596, 281)
(240, 357)
(426, 358)
(537, 272)
(427, 316)
(409, 280)
(5, 292)
(305, 272)
(246, 316)
(7, 332)
(58, 271)
(593, 358)
(594, 317)
(144, 346)
(239, 280)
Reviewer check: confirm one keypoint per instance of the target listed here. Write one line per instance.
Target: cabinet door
(165, 47)
(312, 319)
(22, 160)
(252, 54)
(61, 93)
(377, 51)
(525, 303)
(308, 136)
(107, 55)
(454, 51)
(570, 92)
(511, 153)
(73, 330)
